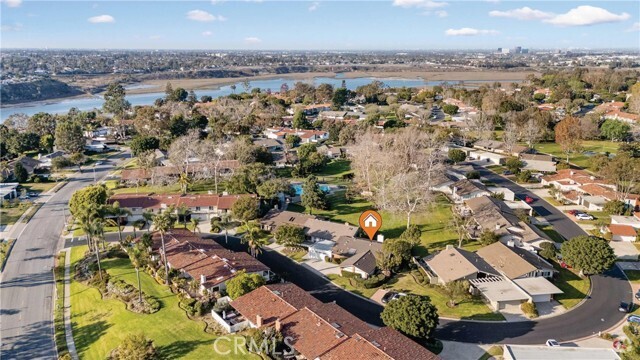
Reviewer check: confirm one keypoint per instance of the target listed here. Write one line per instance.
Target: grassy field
(4, 249)
(474, 309)
(554, 235)
(575, 287)
(9, 216)
(295, 255)
(39, 187)
(580, 159)
(633, 275)
(433, 223)
(100, 325)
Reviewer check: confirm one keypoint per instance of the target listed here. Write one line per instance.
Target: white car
(552, 343)
(583, 216)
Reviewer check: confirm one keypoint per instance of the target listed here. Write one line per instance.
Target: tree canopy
(245, 208)
(243, 283)
(589, 254)
(89, 196)
(289, 235)
(69, 136)
(412, 315)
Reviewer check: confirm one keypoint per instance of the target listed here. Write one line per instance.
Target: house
(46, 160)
(271, 145)
(623, 232)
(538, 162)
(321, 331)
(571, 179)
(200, 206)
(95, 146)
(357, 255)
(160, 158)
(515, 263)
(500, 147)
(528, 352)
(452, 264)
(306, 136)
(314, 109)
(100, 133)
(494, 215)
(8, 191)
(463, 190)
(204, 261)
(632, 221)
(169, 173)
(28, 163)
(332, 115)
(315, 229)
(488, 157)
(329, 151)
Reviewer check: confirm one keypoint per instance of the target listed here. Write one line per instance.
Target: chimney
(258, 321)
(510, 243)
(497, 226)
(380, 238)
(449, 247)
(278, 325)
(592, 177)
(571, 173)
(203, 279)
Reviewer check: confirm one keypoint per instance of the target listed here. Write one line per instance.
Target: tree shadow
(180, 349)
(86, 335)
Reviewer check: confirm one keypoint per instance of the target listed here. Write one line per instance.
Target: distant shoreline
(155, 86)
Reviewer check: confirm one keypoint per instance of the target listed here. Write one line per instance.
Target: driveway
(624, 250)
(323, 267)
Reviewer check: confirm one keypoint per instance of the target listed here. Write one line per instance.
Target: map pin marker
(370, 222)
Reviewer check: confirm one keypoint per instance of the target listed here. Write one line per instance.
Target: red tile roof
(398, 346)
(579, 177)
(622, 230)
(265, 303)
(355, 347)
(309, 334)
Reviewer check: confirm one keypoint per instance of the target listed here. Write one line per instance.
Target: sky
(320, 25)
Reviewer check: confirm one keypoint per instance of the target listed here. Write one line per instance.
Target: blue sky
(319, 25)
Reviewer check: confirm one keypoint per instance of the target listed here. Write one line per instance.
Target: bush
(472, 175)
(529, 308)
(350, 275)
(374, 281)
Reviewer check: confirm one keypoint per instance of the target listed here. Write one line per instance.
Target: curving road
(598, 312)
(26, 284)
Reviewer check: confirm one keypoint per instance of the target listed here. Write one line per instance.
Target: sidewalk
(67, 306)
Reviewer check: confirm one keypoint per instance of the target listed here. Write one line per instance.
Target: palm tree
(137, 257)
(184, 181)
(219, 224)
(95, 230)
(163, 222)
(255, 239)
(183, 212)
(148, 218)
(118, 212)
(195, 222)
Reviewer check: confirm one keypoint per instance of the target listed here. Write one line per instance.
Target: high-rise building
(518, 50)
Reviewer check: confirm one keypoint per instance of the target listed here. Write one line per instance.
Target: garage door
(502, 305)
(541, 298)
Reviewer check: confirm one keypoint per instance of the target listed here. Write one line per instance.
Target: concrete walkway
(67, 306)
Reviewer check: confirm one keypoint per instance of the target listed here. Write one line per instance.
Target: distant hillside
(43, 89)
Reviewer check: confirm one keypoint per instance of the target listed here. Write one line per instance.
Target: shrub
(350, 275)
(529, 308)
(472, 175)
(374, 281)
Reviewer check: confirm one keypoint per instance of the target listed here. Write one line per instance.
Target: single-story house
(571, 179)
(538, 288)
(499, 292)
(358, 255)
(9, 191)
(488, 157)
(28, 163)
(538, 162)
(202, 170)
(593, 203)
(200, 206)
(45, 160)
(508, 194)
(452, 264)
(632, 221)
(271, 145)
(514, 262)
(329, 151)
(528, 352)
(500, 147)
(95, 146)
(623, 232)
(465, 189)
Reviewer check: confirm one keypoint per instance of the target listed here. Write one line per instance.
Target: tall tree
(588, 254)
(288, 235)
(162, 223)
(312, 197)
(255, 239)
(569, 135)
(115, 101)
(624, 172)
(69, 137)
(412, 315)
(243, 283)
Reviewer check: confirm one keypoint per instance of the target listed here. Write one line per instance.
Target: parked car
(99, 163)
(552, 343)
(33, 194)
(583, 216)
(637, 296)
(564, 265)
(625, 307)
(633, 318)
(573, 212)
(507, 172)
(529, 199)
(392, 295)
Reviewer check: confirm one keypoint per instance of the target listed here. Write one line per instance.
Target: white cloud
(100, 19)
(525, 13)
(634, 27)
(469, 32)
(428, 4)
(314, 6)
(10, 28)
(12, 3)
(207, 33)
(216, 2)
(155, 37)
(492, 1)
(201, 15)
(586, 15)
(252, 40)
(442, 13)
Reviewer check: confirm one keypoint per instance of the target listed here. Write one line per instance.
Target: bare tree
(532, 131)
(482, 126)
(510, 136)
(183, 150)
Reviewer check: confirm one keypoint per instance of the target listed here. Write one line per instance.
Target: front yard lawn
(100, 325)
(633, 275)
(575, 287)
(295, 254)
(554, 235)
(473, 309)
(9, 216)
(40, 187)
(349, 285)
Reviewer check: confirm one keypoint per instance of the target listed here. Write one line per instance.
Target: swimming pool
(298, 188)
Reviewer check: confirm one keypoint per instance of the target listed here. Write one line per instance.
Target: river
(58, 106)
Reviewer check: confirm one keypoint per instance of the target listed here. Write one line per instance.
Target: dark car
(637, 296)
(507, 172)
(388, 296)
(625, 307)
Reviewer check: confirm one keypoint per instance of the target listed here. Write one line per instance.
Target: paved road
(598, 313)
(26, 285)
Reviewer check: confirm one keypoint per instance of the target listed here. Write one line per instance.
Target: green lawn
(9, 216)
(336, 168)
(38, 187)
(433, 223)
(633, 275)
(493, 352)
(552, 201)
(580, 159)
(100, 325)
(474, 309)
(575, 287)
(554, 235)
(4, 249)
(346, 283)
(295, 255)
(58, 310)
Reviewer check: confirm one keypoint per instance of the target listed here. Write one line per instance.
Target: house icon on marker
(370, 221)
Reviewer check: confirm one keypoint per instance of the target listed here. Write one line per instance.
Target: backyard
(99, 325)
(581, 159)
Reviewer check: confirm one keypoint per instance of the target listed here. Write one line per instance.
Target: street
(27, 286)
